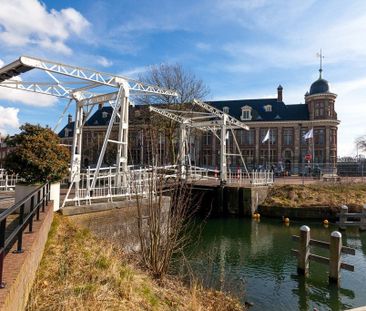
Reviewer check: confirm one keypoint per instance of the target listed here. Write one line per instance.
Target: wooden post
(363, 218)
(335, 256)
(343, 217)
(304, 251)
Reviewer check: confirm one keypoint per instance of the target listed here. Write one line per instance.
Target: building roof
(279, 111)
(320, 86)
(69, 127)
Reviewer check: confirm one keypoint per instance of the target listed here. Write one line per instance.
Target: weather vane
(320, 55)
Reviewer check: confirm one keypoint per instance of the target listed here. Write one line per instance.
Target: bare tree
(163, 218)
(187, 86)
(361, 143)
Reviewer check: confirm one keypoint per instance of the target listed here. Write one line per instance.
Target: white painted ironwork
(205, 122)
(7, 181)
(86, 79)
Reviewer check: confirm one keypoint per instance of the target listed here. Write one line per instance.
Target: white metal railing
(137, 182)
(143, 181)
(7, 181)
(255, 177)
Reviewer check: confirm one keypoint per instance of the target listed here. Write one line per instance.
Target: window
(207, 138)
(246, 137)
(319, 156)
(104, 115)
(288, 136)
(319, 109)
(268, 108)
(333, 136)
(319, 136)
(246, 113)
(225, 109)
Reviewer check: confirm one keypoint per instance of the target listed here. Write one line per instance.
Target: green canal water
(253, 261)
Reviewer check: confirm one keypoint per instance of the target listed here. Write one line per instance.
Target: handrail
(12, 209)
(24, 219)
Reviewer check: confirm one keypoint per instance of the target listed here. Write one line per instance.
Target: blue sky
(241, 49)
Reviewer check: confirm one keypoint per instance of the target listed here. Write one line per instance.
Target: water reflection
(253, 261)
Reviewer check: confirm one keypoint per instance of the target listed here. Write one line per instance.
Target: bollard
(343, 217)
(335, 249)
(304, 251)
(363, 218)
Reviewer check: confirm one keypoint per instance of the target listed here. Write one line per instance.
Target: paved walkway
(6, 199)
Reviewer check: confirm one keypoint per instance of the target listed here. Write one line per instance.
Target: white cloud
(24, 23)
(27, 98)
(8, 119)
(134, 72)
(104, 61)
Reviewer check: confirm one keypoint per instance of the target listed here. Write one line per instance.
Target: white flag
(308, 135)
(227, 135)
(265, 137)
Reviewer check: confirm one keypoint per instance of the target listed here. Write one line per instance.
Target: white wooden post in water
(363, 218)
(335, 249)
(343, 217)
(304, 251)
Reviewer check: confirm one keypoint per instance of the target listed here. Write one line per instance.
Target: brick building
(287, 124)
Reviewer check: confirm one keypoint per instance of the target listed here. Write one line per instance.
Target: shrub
(37, 156)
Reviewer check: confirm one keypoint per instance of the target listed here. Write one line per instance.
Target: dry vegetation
(332, 195)
(81, 272)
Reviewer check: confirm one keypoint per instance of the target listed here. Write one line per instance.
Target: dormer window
(225, 109)
(66, 132)
(268, 108)
(104, 115)
(246, 113)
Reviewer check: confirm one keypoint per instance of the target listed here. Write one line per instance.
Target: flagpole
(312, 140)
(269, 141)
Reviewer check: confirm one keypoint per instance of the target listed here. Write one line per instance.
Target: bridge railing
(7, 181)
(26, 209)
(255, 177)
(109, 184)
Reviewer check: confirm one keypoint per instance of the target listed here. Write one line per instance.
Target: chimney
(279, 93)
(100, 106)
(69, 119)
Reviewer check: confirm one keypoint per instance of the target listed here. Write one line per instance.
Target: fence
(7, 182)
(357, 219)
(335, 249)
(9, 235)
(255, 177)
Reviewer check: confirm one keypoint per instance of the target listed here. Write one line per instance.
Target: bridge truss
(213, 121)
(86, 88)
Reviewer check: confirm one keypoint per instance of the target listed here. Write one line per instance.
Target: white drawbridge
(87, 88)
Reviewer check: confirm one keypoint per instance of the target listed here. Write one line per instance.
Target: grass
(79, 271)
(332, 195)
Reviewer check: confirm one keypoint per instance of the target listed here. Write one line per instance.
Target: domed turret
(319, 86)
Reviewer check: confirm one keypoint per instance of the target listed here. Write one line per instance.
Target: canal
(253, 261)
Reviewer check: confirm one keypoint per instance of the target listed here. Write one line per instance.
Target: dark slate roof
(319, 86)
(280, 111)
(100, 117)
(70, 127)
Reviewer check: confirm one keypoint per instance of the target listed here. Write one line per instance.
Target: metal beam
(26, 63)
(228, 119)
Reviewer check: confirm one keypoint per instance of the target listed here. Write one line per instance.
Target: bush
(37, 156)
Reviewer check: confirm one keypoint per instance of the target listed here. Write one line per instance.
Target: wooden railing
(25, 211)
(357, 219)
(335, 249)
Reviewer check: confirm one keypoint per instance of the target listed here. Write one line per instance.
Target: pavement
(6, 199)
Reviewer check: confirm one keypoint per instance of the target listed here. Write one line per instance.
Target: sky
(240, 49)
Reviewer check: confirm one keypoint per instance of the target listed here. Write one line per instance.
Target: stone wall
(118, 223)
